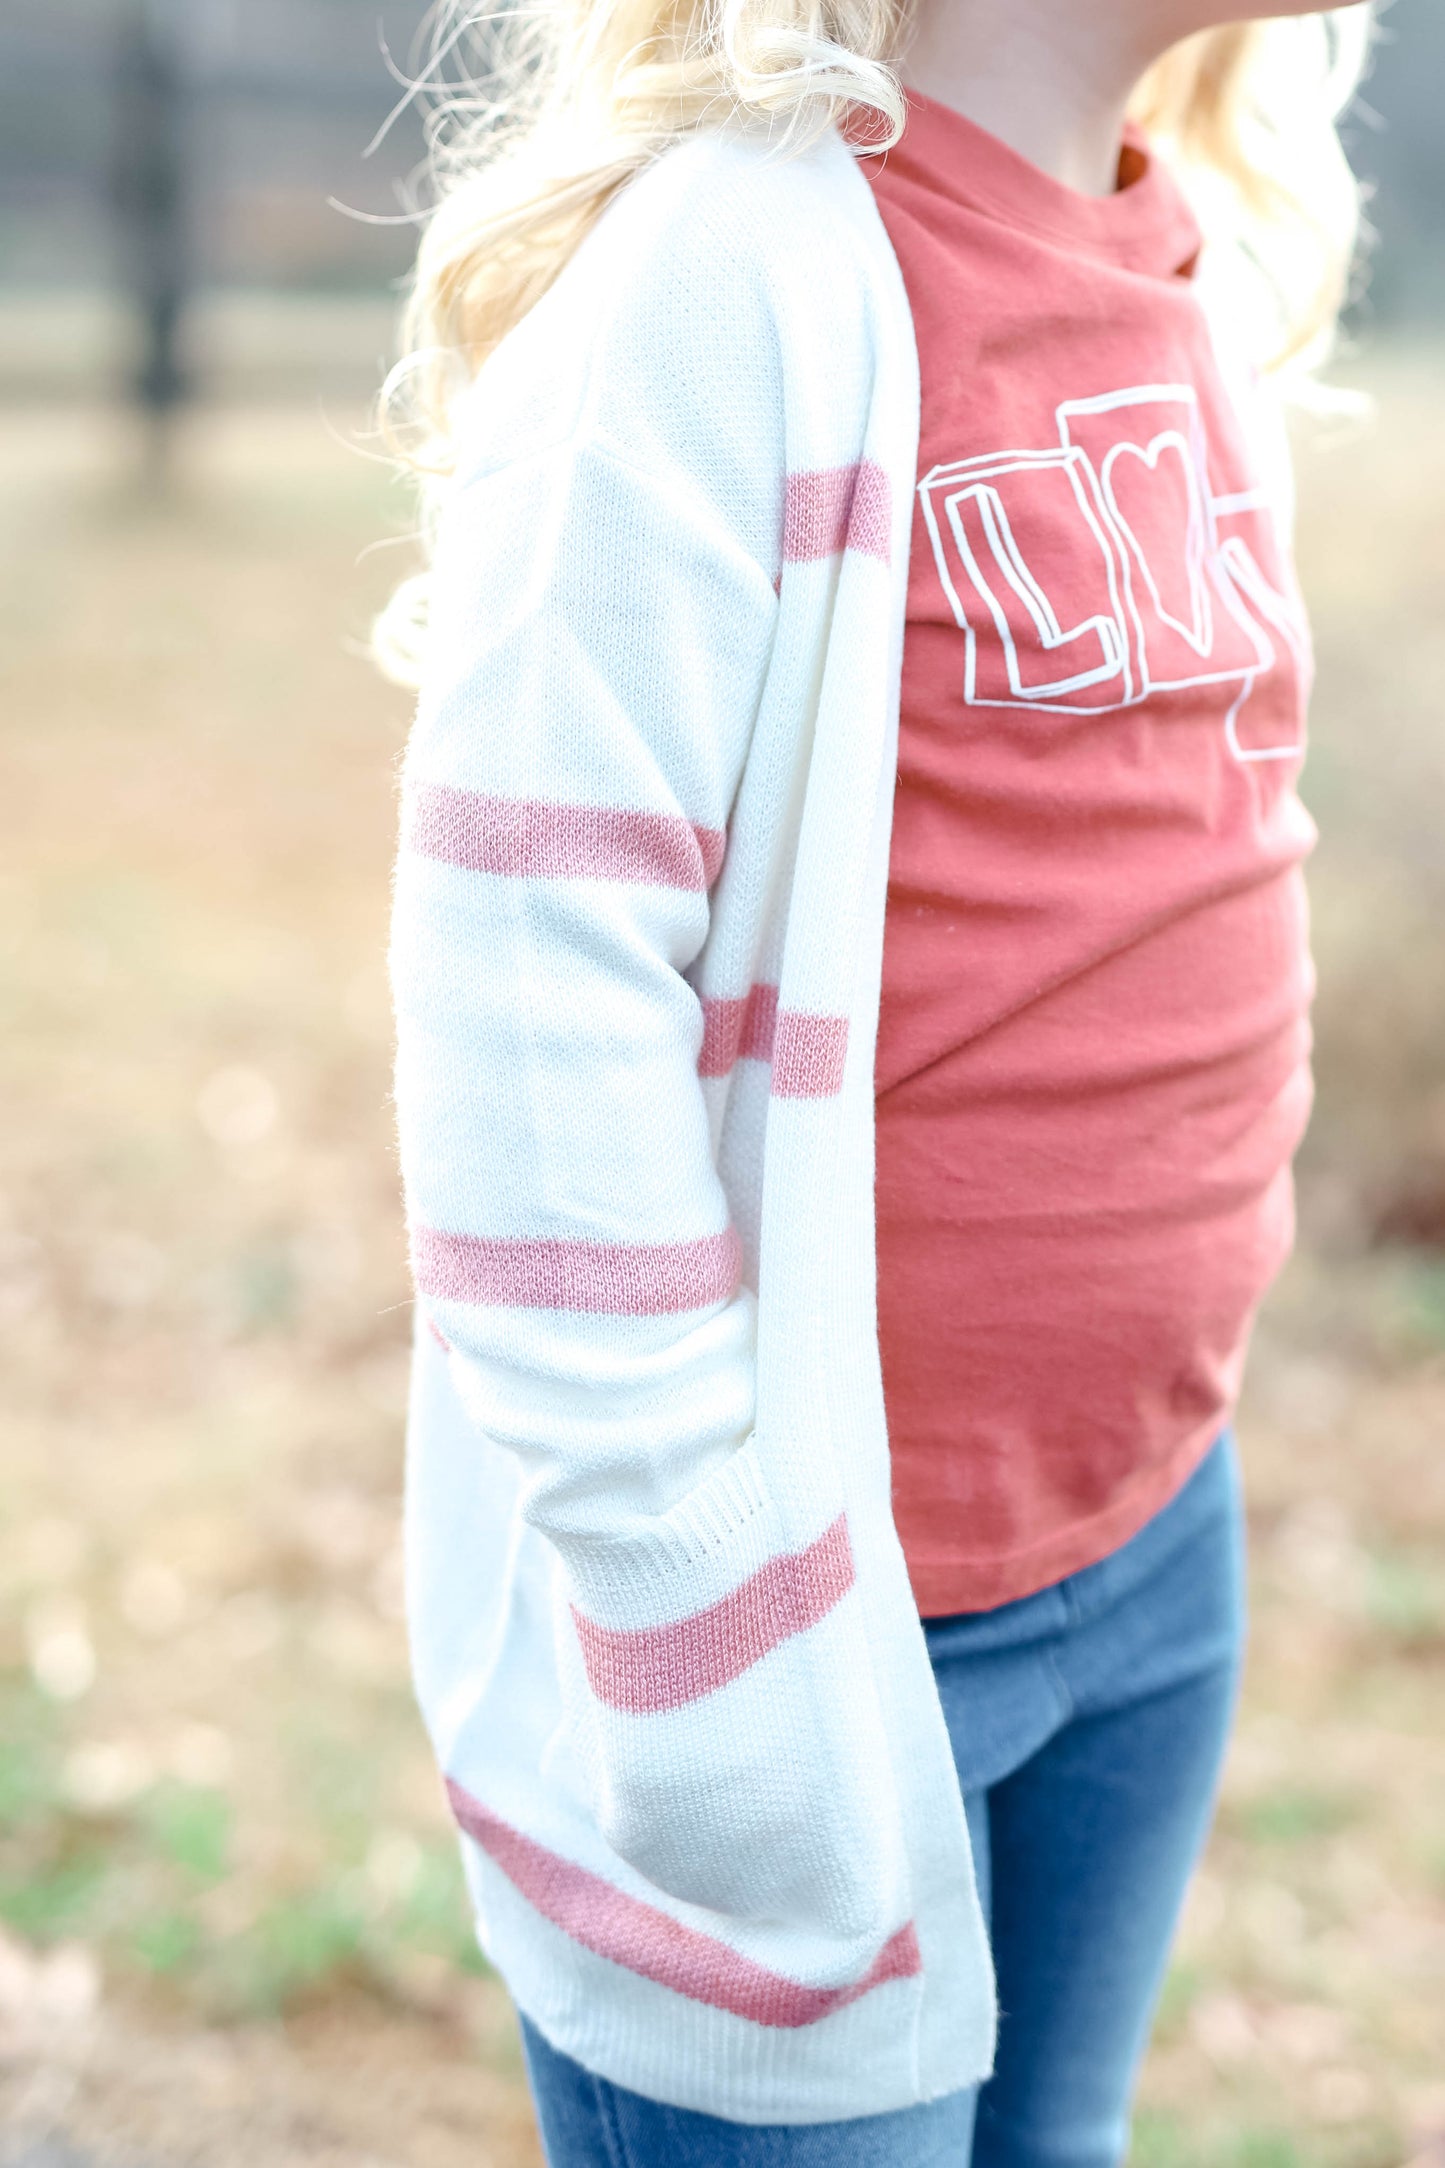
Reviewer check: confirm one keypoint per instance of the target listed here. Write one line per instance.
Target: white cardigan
(663, 1637)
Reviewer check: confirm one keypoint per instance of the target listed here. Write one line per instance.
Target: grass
(152, 1869)
(235, 1919)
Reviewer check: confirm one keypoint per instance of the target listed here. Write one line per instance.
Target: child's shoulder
(717, 277)
(776, 209)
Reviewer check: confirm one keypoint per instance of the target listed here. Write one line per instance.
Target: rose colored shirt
(1092, 1066)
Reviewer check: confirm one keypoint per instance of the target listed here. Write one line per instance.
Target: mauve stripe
(649, 1668)
(529, 838)
(807, 1052)
(722, 1028)
(835, 508)
(760, 1024)
(808, 1055)
(738, 1028)
(615, 1279)
(645, 1940)
(439, 1336)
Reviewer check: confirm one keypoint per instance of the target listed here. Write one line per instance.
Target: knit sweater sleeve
(604, 613)
(599, 646)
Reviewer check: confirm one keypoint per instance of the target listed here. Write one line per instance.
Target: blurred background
(231, 1921)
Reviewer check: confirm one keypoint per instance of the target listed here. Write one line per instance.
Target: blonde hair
(538, 111)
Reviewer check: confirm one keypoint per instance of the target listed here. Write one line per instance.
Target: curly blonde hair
(538, 111)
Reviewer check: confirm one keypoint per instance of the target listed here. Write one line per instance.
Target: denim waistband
(1210, 1495)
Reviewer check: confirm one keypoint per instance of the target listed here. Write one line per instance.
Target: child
(860, 572)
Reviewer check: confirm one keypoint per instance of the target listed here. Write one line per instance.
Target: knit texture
(663, 1637)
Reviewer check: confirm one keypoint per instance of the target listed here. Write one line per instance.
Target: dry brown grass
(235, 1928)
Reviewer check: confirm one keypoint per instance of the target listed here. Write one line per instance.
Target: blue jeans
(1088, 1723)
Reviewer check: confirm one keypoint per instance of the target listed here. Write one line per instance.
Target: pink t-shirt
(1093, 1059)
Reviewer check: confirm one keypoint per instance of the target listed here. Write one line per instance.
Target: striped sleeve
(600, 638)
(603, 638)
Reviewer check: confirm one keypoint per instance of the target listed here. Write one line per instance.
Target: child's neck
(1051, 78)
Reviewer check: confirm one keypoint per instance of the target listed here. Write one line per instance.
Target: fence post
(151, 196)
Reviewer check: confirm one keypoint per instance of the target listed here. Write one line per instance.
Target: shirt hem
(944, 1589)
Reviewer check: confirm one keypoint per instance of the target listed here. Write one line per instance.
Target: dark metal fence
(269, 105)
